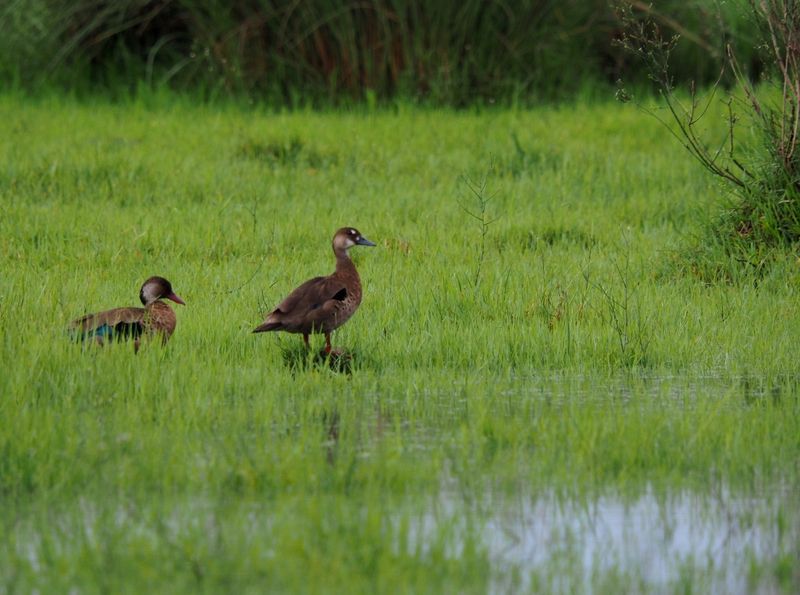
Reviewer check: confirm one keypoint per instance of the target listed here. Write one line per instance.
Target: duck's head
(156, 288)
(346, 238)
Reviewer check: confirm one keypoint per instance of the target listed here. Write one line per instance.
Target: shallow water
(480, 503)
(716, 542)
(653, 538)
(712, 541)
(710, 538)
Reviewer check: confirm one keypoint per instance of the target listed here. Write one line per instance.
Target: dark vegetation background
(324, 52)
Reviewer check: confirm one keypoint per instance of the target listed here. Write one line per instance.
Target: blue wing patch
(108, 333)
(105, 331)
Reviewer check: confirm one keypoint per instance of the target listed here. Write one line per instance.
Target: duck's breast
(161, 319)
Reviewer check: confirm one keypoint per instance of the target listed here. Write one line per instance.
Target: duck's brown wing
(119, 323)
(306, 306)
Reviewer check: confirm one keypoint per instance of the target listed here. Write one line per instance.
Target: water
(581, 531)
(706, 541)
(713, 541)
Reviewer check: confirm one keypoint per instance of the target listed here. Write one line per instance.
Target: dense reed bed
(451, 53)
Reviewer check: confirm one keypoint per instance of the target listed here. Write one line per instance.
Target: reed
(445, 53)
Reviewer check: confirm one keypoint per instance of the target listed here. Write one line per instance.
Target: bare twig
(480, 214)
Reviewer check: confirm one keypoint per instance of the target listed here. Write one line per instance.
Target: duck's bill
(362, 241)
(176, 299)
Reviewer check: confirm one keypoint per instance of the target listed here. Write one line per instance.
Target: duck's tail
(267, 326)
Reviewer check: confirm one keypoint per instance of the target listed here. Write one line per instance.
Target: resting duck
(322, 304)
(131, 323)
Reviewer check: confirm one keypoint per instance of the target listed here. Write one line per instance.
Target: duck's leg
(305, 340)
(328, 343)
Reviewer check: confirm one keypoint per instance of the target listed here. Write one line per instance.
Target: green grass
(581, 365)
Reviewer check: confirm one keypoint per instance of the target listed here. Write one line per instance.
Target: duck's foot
(334, 353)
(338, 359)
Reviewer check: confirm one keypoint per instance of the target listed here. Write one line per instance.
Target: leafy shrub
(761, 217)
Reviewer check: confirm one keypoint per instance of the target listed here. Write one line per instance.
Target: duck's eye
(353, 232)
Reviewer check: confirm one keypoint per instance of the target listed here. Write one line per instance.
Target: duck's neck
(344, 266)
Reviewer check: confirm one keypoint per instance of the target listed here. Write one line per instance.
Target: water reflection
(711, 542)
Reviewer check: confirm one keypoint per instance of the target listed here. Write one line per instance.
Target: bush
(760, 219)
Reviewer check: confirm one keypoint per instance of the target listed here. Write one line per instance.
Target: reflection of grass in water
(227, 461)
(526, 541)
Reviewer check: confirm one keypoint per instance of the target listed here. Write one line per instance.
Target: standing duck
(156, 318)
(322, 304)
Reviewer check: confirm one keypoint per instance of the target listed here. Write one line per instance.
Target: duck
(120, 324)
(322, 304)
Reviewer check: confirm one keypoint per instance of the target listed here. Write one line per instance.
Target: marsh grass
(228, 461)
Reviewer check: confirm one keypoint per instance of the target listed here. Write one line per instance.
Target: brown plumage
(322, 304)
(156, 318)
